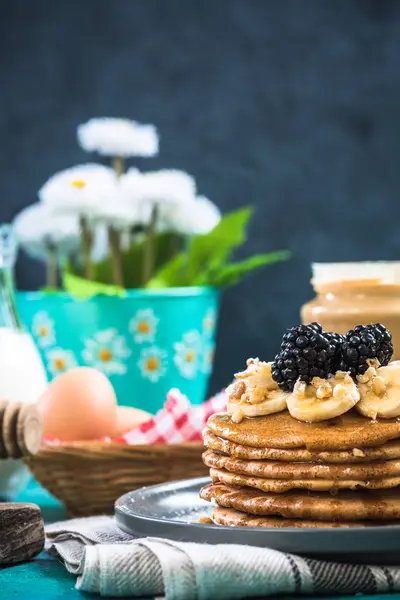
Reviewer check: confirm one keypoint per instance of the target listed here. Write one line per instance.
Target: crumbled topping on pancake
(252, 385)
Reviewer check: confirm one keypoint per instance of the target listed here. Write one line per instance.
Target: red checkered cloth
(178, 421)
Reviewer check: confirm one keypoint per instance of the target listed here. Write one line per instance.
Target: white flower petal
(120, 349)
(195, 218)
(105, 336)
(60, 360)
(153, 363)
(87, 355)
(106, 352)
(118, 137)
(36, 227)
(167, 189)
(81, 190)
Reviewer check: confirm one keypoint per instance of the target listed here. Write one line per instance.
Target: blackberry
(306, 353)
(363, 343)
(336, 339)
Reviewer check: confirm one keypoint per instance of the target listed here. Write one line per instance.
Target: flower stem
(114, 243)
(118, 164)
(51, 266)
(86, 245)
(150, 248)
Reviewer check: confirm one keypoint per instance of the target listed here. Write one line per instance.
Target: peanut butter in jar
(350, 294)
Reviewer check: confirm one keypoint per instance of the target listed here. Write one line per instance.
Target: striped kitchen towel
(111, 563)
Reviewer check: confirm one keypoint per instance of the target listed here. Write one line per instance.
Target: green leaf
(171, 275)
(233, 273)
(83, 288)
(207, 252)
(167, 245)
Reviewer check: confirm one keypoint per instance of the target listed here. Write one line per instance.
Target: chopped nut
(358, 452)
(255, 383)
(251, 361)
(340, 392)
(378, 385)
(369, 374)
(324, 391)
(301, 389)
(236, 390)
(237, 416)
(348, 378)
(341, 375)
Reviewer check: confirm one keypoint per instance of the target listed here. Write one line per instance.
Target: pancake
(280, 430)
(234, 518)
(279, 470)
(389, 451)
(279, 486)
(346, 506)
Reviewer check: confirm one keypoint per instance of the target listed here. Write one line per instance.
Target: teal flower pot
(146, 342)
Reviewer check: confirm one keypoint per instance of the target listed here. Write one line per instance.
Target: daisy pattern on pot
(188, 354)
(153, 363)
(43, 329)
(106, 351)
(143, 325)
(60, 360)
(209, 321)
(208, 358)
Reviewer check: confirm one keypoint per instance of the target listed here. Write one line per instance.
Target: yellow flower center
(190, 356)
(210, 356)
(78, 183)
(143, 327)
(59, 364)
(105, 355)
(42, 331)
(152, 363)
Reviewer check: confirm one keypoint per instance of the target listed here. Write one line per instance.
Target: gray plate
(168, 510)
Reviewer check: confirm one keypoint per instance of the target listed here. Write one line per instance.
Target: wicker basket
(89, 476)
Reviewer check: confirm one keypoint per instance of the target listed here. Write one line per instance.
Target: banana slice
(324, 399)
(255, 393)
(275, 402)
(380, 392)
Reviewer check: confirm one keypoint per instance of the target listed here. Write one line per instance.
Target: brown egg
(128, 418)
(79, 405)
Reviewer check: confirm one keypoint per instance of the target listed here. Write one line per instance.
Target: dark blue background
(290, 105)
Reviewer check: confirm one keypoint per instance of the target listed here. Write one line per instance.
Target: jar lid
(384, 272)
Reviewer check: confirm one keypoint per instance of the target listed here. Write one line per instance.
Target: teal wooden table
(45, 578)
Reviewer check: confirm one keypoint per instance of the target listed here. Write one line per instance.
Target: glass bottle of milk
(22, 374)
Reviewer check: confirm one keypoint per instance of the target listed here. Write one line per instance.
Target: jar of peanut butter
(350, 294)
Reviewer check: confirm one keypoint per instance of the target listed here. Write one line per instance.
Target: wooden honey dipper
(21, 429)
(21, 524)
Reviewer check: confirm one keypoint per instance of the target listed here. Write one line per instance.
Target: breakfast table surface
(45, 577)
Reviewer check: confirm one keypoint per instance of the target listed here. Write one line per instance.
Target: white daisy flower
(153, 363)
(193, 218)
(118, 137)
(168, 190)
(107, 352)
(82, 190)
(60, 361)
(188, 354)
(143, 325)
(37, 228)
(208, 358)
(43, 329)
(209, 321)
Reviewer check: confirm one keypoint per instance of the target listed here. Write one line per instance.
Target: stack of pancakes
(275, 471)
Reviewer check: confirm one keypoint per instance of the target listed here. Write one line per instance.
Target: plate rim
(335, 531)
